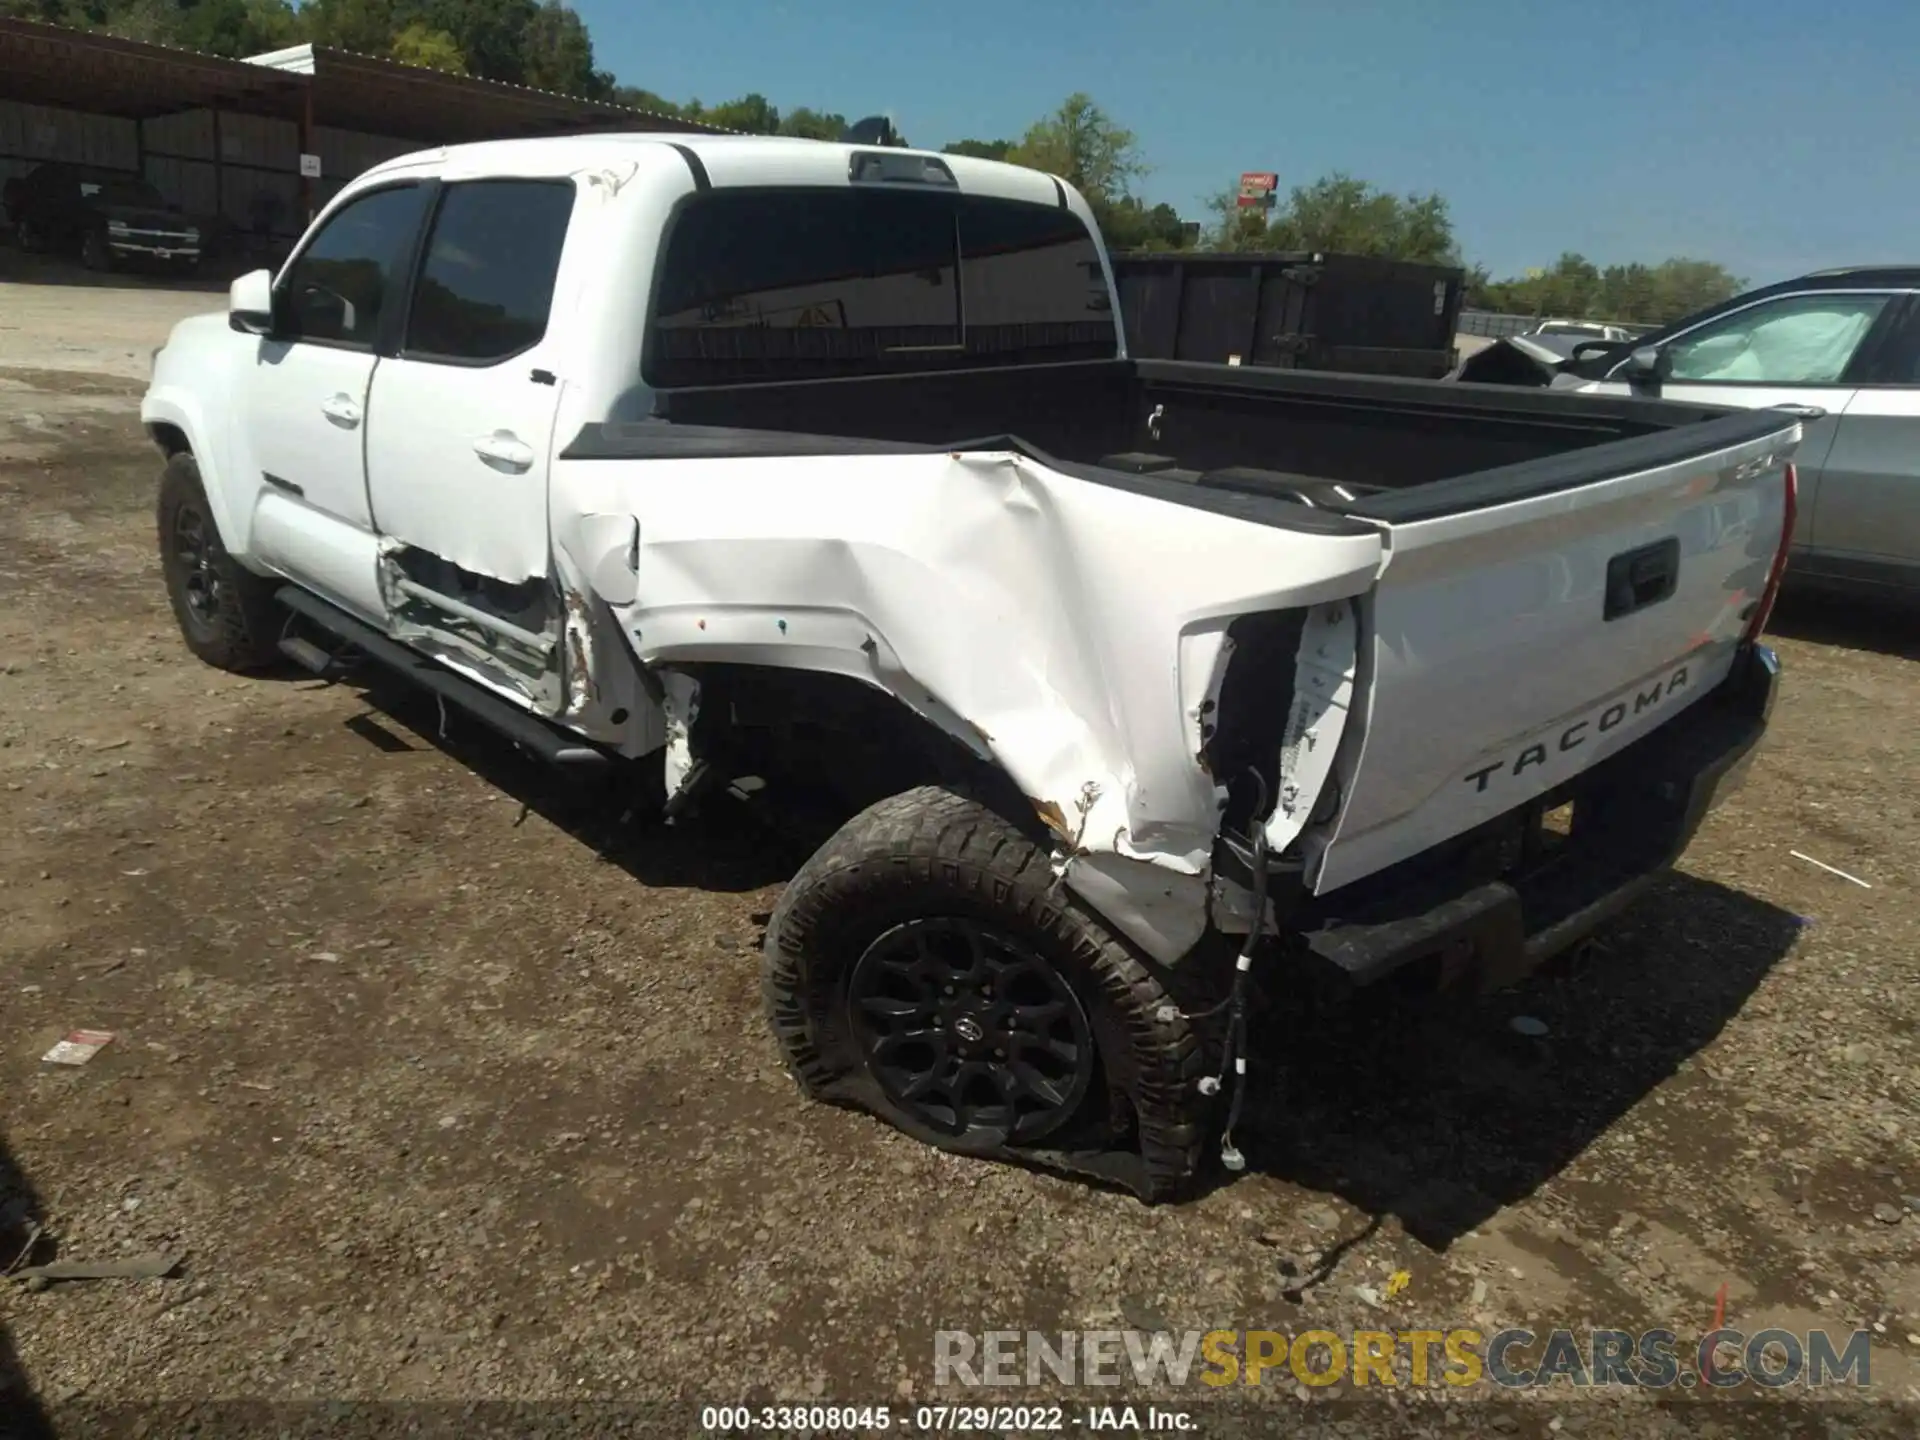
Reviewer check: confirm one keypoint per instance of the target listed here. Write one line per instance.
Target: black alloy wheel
(196, 553)
(970, 1031)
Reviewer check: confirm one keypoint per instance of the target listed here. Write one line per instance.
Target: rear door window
(1897, 362)
(777, 285)
(486, 285)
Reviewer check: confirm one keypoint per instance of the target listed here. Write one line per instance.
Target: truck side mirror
(250, 303)
(1648, 365)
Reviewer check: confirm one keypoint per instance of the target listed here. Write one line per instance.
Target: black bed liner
(1299, 450)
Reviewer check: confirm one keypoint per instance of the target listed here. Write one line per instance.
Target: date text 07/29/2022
(943, 1419)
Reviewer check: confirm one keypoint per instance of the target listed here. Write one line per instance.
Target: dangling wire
(1237, 1025)
(1259, 835)
(1234, 1054)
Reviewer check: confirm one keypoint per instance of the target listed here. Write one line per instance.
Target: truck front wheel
(226, 613)
(927, 966)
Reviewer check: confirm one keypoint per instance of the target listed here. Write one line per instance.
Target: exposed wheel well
(171, 439)
(845, 742)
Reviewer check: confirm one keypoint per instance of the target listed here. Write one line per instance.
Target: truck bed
(1222, 437)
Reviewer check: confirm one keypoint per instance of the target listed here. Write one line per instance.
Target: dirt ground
(448, 1086)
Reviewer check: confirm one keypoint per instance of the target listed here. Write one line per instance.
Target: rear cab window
(765, 285)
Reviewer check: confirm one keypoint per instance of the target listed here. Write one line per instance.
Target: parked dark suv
(103, 216)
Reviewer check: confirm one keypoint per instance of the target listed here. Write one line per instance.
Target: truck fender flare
(180, 410)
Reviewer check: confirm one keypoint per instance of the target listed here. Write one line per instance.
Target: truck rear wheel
(226, 613)
(926, 966)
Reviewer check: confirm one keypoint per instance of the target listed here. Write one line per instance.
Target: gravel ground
(449, 1086)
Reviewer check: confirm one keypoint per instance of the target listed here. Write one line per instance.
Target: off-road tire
(935, 853)
(238, 627)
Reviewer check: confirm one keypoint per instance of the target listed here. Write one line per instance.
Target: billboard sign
(1258, 188)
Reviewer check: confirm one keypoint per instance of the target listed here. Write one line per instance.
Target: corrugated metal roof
(102, 74)
(105, 75)
(363, 92)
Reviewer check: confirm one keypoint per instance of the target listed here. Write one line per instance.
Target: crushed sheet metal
(1073, 845)
(1002, 601)
(1163, 912)
(607, 548)
(625, 711)
(1204, 657)
(462, 645)
(1324, 672)
(578, 630)
(683, 709)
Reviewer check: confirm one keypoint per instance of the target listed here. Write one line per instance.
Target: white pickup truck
(775, 465)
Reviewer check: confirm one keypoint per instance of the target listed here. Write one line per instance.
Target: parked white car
(1840, 349)
(695, 462)
(1581, 330)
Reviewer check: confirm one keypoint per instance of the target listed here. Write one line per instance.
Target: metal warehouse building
(258, 144)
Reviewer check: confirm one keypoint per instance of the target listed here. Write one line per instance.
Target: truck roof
(725, 160)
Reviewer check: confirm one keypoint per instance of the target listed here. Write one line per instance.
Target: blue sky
(1772, 137)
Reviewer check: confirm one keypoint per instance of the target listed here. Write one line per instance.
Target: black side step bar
(531, 733)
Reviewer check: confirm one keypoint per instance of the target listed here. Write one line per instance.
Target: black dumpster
(1297, 310)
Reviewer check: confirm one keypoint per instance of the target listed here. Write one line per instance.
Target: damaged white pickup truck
(721, 460)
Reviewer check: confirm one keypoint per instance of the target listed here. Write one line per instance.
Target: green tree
(1574, 289)
(980, 149)
(156, 22)
(236, 27)
(366, 27)
(808, 124)
(1081, 144)
(1342, 215)
(1130, 224)
(636, 98)
(1237, 226)
(750, 114)
(557, 54)
(429, 49)
(491, 34)
(1682, 286)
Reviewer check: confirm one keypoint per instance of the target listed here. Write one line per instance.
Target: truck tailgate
(1510, 645)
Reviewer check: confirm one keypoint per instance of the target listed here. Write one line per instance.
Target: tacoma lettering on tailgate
(1576, 734)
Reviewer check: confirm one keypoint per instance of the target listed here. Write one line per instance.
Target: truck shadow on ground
(1846, 623)
(726, 846)
(20, 1215)
(1436, 1111)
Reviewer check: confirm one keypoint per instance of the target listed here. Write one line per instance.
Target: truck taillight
(1763, 610)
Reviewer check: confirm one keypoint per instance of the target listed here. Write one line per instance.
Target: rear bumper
(1504, 899)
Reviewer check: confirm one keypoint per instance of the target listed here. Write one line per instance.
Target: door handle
(341, 408)
(504, 449)
(1804, 412)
